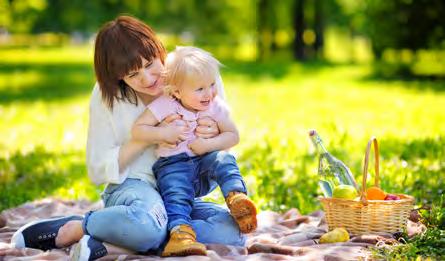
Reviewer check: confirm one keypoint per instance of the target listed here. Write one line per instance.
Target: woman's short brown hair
(120, 44)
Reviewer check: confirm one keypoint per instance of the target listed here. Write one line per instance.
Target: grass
(429, 244)
(44, 107)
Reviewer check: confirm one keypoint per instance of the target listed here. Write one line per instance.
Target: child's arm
(145, 128)
(228, 138)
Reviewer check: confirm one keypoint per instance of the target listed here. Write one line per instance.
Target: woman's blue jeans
(134, 217)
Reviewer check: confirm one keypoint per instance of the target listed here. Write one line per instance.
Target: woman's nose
(145, 77)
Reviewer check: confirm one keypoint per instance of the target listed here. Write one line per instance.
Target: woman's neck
(145, 98)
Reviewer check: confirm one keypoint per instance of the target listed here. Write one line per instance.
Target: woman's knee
(150, 228)
(219, 229)
(148, 237)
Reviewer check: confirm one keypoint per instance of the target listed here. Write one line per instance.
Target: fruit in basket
(375, 193)
(391, 197)
(344, 191)
(337, 235)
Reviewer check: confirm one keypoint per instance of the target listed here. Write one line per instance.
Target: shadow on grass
(53, 82)
(403, 73)
(37, 174)
(274, 68)
(62, 81)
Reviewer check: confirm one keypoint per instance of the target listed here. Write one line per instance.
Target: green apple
(344, 191)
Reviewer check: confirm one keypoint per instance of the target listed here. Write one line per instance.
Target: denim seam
(85, 222)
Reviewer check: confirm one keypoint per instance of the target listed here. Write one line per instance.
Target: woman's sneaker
(40, 234)
(87, 249)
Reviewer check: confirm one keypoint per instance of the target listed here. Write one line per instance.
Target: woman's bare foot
(69, 233)
(114, 250)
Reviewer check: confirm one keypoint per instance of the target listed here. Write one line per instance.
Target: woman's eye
(148, 65)
(199, 89)
(132, 75)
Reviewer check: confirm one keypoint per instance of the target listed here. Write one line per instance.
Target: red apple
(391, 197)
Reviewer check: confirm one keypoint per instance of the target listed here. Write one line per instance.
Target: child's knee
(224, 157)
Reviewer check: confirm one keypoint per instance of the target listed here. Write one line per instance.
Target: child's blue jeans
(181, 178)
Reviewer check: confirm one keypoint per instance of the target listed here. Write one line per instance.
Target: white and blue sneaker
(40, 234)
(87, 249)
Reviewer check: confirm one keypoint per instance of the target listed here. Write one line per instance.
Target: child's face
(147, 80)
(196, 94)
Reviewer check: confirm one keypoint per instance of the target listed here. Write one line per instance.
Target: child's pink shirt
(165, 106)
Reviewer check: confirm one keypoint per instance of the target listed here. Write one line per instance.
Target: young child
(191, 168)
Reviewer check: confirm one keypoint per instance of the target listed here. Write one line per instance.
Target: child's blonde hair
(187, 62)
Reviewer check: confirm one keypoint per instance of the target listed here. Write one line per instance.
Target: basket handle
(372, 141)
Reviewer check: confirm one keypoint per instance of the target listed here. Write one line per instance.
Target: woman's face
(147, 80)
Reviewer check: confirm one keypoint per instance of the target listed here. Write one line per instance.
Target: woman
(128, 62)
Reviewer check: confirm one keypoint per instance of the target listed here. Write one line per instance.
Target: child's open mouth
(205, 103)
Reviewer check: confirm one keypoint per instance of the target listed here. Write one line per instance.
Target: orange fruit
(375, 193)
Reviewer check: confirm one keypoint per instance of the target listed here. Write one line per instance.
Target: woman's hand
(174, 134)
(169, 119)
(207, 128)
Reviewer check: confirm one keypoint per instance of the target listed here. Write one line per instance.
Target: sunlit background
(348, 68)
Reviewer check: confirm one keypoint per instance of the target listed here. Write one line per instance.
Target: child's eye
(199, 89)
(148, 64)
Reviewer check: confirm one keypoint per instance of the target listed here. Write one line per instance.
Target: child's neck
(188, 107)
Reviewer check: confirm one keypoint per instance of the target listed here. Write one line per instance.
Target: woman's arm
(145, 129)
(107, 158)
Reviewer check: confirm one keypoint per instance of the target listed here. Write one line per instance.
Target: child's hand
(207, 128)
(173, 134)
(199, 146)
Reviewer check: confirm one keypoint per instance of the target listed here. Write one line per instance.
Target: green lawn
(44, 113)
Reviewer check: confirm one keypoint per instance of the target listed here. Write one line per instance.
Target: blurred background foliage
(349, 68)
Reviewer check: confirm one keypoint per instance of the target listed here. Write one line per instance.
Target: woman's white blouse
(108, 130)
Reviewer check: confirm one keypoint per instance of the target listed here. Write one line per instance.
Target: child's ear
(177, 94)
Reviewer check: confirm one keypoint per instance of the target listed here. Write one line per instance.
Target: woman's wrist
(148, 135)
(160, 134)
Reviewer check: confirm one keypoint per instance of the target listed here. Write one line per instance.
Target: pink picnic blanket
(288, 236)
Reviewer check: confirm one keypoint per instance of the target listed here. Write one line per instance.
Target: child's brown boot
(243, 211)
(183, 243)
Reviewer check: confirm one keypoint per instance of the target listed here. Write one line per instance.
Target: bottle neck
(319, 144)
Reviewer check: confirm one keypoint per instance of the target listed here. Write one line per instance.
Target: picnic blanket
(288, 236)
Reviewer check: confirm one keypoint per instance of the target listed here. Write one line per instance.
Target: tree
(405, 24)
(299, 27)
(319, 27)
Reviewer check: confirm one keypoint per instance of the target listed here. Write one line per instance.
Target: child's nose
(208, 93)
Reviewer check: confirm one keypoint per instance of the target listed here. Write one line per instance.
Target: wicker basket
(368, 216)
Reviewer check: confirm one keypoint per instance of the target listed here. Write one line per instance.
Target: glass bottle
(332, 172)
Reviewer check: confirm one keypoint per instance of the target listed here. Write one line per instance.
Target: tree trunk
(260, 24)
(299, 30)
(319, 28)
